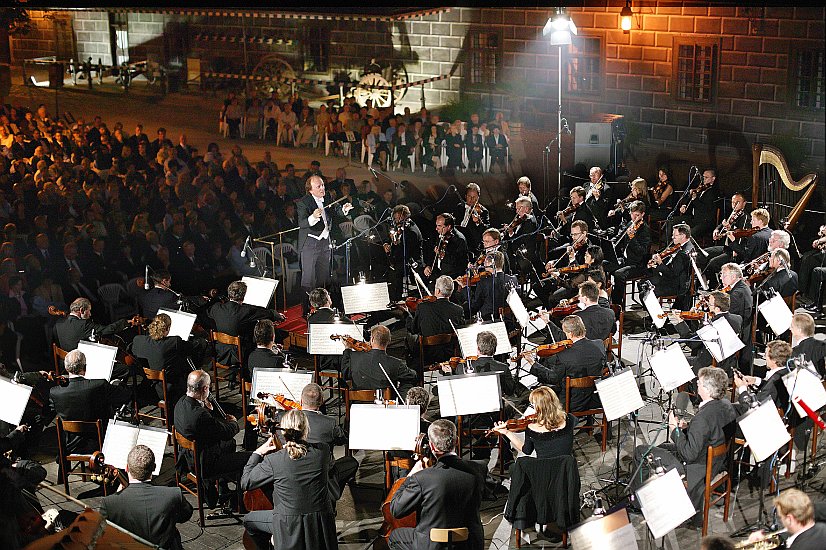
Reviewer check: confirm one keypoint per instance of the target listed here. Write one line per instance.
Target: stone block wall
(92, 36)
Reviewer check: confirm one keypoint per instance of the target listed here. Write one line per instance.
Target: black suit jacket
(456, 257)
(362, 367)
(490, 294)
(433, 318)
(150, 512)
(636, 249)
(770, 388)
(703, 356)
(85, 400)
(753, 246)
(810, 539)
(213, 434)
(713, 424)
(600, 322)
(305, 206)
(72, 330)
(167, 354)
(489, 364)
(155, 298)
(264, 358)
(448, 494)
(815, 351)
(673, 276)
(236, 319)
(783, 281)
(584, 358)
(741, 304)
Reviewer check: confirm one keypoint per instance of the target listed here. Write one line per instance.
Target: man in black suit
(78, 325)
(362, 367)
(474, 144)
(713, 424)
(737, 219)
(472, 224)
(580, 213)
(84, 400)
(159, 296)
(189, 270)
(703, 208)
(265, 355)
(599, 321)
(782, 278)
(731, 277)
(450, 255)
(197, 420)
(746, 249)
(584, 358)
(797, 514)
(671, 275)
(497, 144)
(718, 303)
(404, 250)
(314, 226)
(149, 511)
(491, 292)
(236, 318)
(634, 256)
(486, 344)
(446, 495)
(433, 318)
(520, 236)
(812, 349)
(770, 386)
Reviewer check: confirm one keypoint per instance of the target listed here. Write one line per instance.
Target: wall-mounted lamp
(626, 17)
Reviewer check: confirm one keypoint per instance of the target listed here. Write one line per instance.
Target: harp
(774, 186)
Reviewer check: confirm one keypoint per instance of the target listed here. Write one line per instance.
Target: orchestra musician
(577, 210)
(635, 240)
(584, 357)
(303, 515)
(324, 313)
(161, 508)
(574, 254)
(639, 192)
(450, 255)
(445, 495)
(519, 235)
(265, 355)
(472, 216)
(747, 249)
(661, 195)
(160, 295)
(404, 249)
(362, 367)
(771, 385)
(597, 196)
(700, 210)
(523, 184)
(491, 242)
(434, 317)
(782, 278)
(671, 274)
(486, 344)
(712, 425)
(811, 261)
(804, 342)
(741, 303)
(78, 325)
(597, 276)
(197, 419)
(736, 220)
(490, 293)
(797, 515)
(551, 434)
(599, 319)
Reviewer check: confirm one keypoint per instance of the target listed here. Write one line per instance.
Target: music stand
(619, 395)
(665, 503)
(465, 394)
(763, 430)
(13, 400)
(609, 532)
(320, 343)
(121, 438)
(720, 339)
(286, 382)
(671, 367)
(260, 290)
(100, 359)
(182, 322)
(467, 337)
(365, 297)
(384, 428)
(777, 314)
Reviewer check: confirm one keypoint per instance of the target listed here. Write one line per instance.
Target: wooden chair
(58, 355)
(226, 339)
(446, 537)
(65, 460)
(246, 390)
(610, 346)
(404, 463)
(466, 433)
(713, 493)
(435, 340)
(358, 396)
(584, 383)
(157, 376)
(190, 481)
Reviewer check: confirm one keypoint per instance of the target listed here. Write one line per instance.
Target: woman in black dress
(303, 517)
(551, 434)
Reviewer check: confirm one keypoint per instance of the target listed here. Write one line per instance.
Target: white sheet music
(535, 325)
(467, 337)
(776, 313)
(665, 503)
(182, 322)
(288, 383)
(518, 308)
(13, 400)
(379, 428)
(808, 387)
(259, 290)
(671, 367)
(611, 532)
(619, 394)
(121, 438)
(521, 371)
(655, 310)
(319, 342)
(100, 359)
(364, 297)
(764, 430)
(469, 394)
(720, 339)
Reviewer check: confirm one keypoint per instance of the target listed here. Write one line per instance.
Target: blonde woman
(304, 516)
(160, 351)
(551, 433)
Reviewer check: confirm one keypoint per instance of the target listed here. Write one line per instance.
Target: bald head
(197, 384)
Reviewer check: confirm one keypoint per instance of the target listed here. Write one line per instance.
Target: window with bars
(484, 53)
(806, 79)
(316, 50)
(695, 70)
(584, 66)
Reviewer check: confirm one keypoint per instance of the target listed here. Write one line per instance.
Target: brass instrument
(769, 542)
(768, 164)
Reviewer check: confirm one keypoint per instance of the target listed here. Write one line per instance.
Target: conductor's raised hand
(347, 207)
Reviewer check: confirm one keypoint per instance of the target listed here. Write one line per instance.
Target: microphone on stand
(681, 404)
(146, 277)
(244, 248)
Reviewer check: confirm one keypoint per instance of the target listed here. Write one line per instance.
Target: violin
(754, 266)
(686, 315)
(411, 302)
(698, 192)
(285, 402)
(570, 209)
(515, 424)
(545, 350)
(464, 281)
(742, 233)
(820, 242)
(442, 246)
(136, 321)
(566, 309)
(632, 231)
(621, 204)
(452, 363)
(58, 379)
(720, 232)
(569, 269)
(511, 227)
(668, 251)
(351, 343)
(659, 189)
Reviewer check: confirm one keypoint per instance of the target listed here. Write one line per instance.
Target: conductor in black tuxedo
(197, 420)
(159, 296)
(584, 358)
(362, 367)
(236, 318)
(445, 495)
(812, 349)
(149, 511)
(314, 225)
(78, 325)
(433, 318)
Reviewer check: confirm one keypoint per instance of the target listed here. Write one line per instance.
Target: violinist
(362, 367)
(78, 325)
(433, 318)
(197, 419)
(491, 293)
(810, 261)
(736, 220)
(486, 344)
(450, 255)
(472, 216)
(576, 211)
(671, 267)
(597, 195)
(746, 249)
(639, 192)
(661, 196)
(632, 252)
(298, 477)
(551, 434)
(594, 310)
(781, 277)
(520, 234)
(740, 298)
(445, 495)
(584, 358)
(160, 295)
(405, 247)
(523, 184)
(576, 254)
(700, 210)
(324, 313)
(491, 242)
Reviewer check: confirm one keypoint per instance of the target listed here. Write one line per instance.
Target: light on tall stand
(560, 27)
